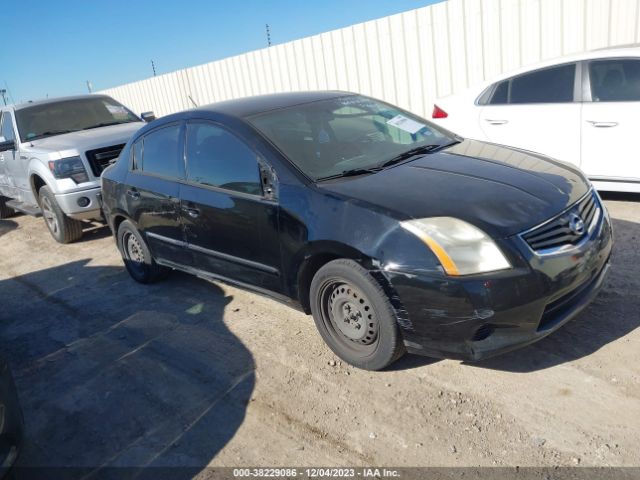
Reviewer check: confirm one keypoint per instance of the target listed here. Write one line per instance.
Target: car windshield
(55, 118)
(347, 135)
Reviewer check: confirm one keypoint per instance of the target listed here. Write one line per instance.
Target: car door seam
(214, 253)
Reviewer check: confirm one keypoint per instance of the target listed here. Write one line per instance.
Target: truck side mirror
(6, 145)
(148, 116)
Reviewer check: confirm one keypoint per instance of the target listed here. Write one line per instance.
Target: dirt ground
(195, 373)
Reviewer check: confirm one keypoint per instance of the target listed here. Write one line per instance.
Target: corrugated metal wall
(408, 59)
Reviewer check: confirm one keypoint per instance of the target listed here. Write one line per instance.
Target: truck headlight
(461, 248)
(71, 167)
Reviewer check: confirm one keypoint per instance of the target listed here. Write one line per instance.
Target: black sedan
(11, 422)
(394, 233)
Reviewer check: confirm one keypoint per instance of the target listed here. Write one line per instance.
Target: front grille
(557, 233)
(100, 157)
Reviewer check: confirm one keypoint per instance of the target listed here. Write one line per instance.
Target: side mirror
(6, 145)
(269, 180)
(148, 116)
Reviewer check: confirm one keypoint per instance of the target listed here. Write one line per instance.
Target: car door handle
(491, 121)
(602, 124)
(191, 211)
(133, 194)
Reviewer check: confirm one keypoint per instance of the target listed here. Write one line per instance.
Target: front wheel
(137, 256)
(62, 228)
(354, 315)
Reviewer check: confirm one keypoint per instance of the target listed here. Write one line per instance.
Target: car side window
(217, 158)
(136, 155)
(161, 153)
(7, 127)
(549, 85)
(615, 80)
(501, 94)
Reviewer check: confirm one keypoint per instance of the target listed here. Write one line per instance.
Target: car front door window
(610, 120)
(616, 80)
(218, 158)
(230, 227)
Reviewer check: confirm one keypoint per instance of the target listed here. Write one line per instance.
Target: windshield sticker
(116, 109)
(406, 124)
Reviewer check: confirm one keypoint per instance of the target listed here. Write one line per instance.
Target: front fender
(36, 167)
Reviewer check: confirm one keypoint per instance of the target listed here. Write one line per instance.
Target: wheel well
(36, 184)
(117, 220)
(306, 274)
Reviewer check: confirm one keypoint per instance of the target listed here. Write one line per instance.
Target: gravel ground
(195, 373)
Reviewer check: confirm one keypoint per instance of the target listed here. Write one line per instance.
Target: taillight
(438, 112)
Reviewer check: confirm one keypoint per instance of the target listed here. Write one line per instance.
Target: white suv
(583, 109)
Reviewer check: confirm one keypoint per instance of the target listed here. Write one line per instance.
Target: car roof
(248, 106)
(55, 100)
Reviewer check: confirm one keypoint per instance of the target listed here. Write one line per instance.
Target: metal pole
(89, 86)
(268, 35)
(3, 93)
(153, 67)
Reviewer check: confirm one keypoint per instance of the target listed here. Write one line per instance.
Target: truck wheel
(137, 256)
(354, 315)
(5, 212)
(64, 229)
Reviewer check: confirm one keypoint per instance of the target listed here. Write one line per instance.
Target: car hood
(502, 190)
(86, 139)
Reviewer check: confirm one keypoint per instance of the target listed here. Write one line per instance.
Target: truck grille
(558, 232)
(100, 157)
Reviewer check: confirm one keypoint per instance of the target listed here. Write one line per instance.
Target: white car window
(549, 85)
(616, 80)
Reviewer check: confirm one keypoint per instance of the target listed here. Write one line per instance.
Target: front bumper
(475, 317)
(69, 204)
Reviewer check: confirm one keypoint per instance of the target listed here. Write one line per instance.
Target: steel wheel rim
(349, 316)
(133, 252)
(49, 215)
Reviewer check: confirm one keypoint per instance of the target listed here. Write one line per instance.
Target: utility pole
(153, 67)
(268, 35)
(89, 86)
(8, 93)
(3, 92)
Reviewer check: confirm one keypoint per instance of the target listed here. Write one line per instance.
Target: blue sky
(53, 47)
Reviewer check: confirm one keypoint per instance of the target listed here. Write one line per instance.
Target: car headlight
(71, 167)
(461, 248)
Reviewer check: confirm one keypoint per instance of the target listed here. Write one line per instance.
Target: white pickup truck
(52, 153)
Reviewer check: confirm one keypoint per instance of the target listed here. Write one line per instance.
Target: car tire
(354, 315)
(136, 255)
(63, 229)
(5, 212)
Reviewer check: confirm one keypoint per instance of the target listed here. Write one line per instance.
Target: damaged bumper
(475, 317)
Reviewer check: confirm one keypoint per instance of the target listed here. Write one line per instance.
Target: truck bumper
(82, 205)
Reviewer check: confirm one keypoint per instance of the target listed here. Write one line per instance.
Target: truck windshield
(66, 116)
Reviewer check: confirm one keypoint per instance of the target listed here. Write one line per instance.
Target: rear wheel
(137, 256)
(5, 212)
(63, 228)
(354, 315)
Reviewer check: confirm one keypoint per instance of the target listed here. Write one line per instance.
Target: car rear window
(550, 85)
(161, 153)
